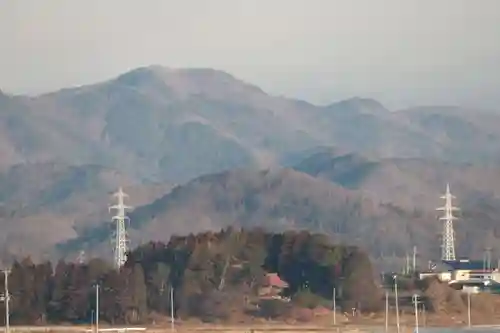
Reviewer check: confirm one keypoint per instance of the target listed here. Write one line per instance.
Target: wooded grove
(213, 277)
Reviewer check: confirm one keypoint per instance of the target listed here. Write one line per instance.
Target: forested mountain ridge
(62, 153)
(384, 217)
(176, 124)
(43, 204)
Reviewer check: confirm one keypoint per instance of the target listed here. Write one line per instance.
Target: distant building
(471, 275)
(273, 286)
(445, 276)
(465, 264)
(442, 276)
(467, 275)
(273, 280)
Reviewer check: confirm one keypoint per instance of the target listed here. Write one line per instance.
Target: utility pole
(172, 325)
(97, 308)
(334, 307)
(414, 259)
(487, 259)
(415, 300)
(468, 309)
(407, 267)
(424, 317)
(397, 301)
(6, 299)
(484, 260)
(386, 312)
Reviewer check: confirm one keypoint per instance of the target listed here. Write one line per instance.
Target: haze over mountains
(360, 172)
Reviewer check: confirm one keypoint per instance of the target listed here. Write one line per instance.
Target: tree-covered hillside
(214, 276)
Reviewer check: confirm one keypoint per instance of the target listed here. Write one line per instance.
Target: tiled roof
(274, 280)
(465, 264)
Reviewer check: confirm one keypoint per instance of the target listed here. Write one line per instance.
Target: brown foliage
(213, 276)
(444, 299)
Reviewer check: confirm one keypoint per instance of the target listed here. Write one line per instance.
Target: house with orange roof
(273, 286)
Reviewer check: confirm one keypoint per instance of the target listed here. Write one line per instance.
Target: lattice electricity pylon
(6, 297)
(3, 299)
(6, 300)
(448, 247)
(120, 243)
(81, 257)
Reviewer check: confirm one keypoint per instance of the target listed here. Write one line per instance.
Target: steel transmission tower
(120, 246)
(81, 257)
(5, 297)
(448, 247)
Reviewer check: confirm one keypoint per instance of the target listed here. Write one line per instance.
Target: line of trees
(215, 276)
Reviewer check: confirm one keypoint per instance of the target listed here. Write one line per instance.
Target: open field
(374, 323)
(225, 329)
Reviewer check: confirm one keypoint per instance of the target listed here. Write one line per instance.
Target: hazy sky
(402, 52)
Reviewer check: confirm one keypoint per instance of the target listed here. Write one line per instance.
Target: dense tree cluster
(212, 275)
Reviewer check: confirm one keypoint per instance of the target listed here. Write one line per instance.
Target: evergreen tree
(214, 275)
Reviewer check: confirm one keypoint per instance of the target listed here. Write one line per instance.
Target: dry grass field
(225, 329)
(372, 323)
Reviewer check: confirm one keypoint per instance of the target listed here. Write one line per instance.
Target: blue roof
(465, 264)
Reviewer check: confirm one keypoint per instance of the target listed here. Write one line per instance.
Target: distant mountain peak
(165, 70)
(359, 104)
(162, 72)
(208, 82)
(141, 75)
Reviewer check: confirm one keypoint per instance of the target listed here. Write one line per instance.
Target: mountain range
(199, 149)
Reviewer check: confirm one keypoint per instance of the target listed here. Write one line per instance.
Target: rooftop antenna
(448, 247)
(407, 265)
(414, 264)
(120, 246)
(487, 259)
